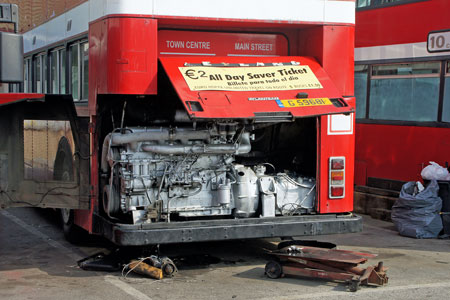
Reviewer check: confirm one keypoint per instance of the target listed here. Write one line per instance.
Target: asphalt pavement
(38, 263)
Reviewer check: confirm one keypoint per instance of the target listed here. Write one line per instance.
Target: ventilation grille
(279, 116)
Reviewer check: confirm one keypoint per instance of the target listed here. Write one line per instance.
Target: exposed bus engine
(158, 173)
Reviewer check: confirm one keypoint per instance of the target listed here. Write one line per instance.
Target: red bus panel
(12, 98)
(128, 64)
(398, 152)
(399, 24)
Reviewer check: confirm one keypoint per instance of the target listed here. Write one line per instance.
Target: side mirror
(11, 57)
(11, 46)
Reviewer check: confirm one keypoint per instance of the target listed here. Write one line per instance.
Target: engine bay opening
(168, 168)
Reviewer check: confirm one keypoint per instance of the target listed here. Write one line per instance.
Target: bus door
(44, 152)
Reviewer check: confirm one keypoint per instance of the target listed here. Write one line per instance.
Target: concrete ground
(37, 263)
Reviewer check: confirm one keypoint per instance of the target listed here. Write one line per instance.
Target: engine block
(154, 173)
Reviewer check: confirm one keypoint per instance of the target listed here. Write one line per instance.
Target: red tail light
(336, 178)
(337, 191)
(337, 164)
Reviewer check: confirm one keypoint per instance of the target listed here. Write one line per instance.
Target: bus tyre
(72, 232)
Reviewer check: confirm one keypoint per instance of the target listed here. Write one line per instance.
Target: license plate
(304, 102)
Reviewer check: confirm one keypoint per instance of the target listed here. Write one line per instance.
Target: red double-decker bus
(181, 121)
(402, 87)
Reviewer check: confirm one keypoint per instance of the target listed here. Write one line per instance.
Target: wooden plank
(386, 184)
(363, 202)
(376, 191)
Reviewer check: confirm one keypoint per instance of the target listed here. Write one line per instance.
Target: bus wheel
(72, 232)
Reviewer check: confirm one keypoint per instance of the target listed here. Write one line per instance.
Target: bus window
(85, 70)
(44, 73)
(62, 71)
(74, 71)
(361, 73)
(54, 72)
(405, 92)
(13, 87)
(37, 84)
(29, 86)
(446, 107)
(25, 75)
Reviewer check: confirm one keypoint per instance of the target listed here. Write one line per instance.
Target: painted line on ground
(125, 287)
(379, 228)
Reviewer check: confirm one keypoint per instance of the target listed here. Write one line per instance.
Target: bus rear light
(337, 191)
(337, 164)
(336, 178)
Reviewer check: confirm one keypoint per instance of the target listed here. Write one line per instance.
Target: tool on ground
(101, 262)
(140, 267)
(153, 266)
(340, 265)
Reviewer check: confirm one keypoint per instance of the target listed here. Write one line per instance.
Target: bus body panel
(400, 24)
(332, 47)
(126, 48)
(398, 152)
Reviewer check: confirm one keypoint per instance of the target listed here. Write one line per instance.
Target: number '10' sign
(438, 41)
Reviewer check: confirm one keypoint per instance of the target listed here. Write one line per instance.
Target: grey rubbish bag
(417, 215)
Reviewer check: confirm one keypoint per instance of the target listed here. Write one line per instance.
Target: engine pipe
(243, 147)
(161, 134)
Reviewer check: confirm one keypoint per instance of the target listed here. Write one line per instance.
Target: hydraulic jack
(332, 264)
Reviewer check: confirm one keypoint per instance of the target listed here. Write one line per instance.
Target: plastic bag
(434, 171)
(417, 215)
